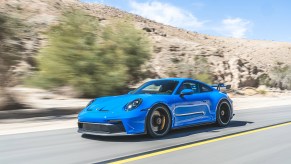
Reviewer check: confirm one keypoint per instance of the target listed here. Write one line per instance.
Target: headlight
(132, 105)
(90, 103)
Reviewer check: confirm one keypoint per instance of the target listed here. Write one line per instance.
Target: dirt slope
(239, 62)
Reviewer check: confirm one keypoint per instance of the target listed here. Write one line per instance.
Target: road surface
(271, 145)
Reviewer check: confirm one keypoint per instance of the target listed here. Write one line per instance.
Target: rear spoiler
(220, 86)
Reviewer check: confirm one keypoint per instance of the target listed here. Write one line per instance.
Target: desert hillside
(175, 52)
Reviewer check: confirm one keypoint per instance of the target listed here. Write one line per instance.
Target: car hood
(112, 107)
(113, 103)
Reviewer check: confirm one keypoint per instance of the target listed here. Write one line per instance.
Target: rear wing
(221, 86)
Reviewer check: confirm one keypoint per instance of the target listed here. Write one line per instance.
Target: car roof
(180, 79)
(176, 79)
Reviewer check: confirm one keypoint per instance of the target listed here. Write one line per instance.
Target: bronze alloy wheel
(158, 121)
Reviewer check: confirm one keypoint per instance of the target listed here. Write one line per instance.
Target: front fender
(156, 104)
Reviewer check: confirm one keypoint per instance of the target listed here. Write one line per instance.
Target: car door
(191, 109)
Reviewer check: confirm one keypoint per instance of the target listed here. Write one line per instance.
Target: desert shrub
(171, 73)
(280, 76)
(96, 60)
(131, 43)
(262, 92)
(202, 70)
(12, 31)
(264, 79)
(10, 46)
(205, 77)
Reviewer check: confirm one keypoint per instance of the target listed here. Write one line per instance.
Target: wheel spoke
(163, 123)
(224, 114)
(155, 128)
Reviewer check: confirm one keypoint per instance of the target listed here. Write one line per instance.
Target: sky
(250, 19)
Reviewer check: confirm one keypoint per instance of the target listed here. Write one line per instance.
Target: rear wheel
(158, 121)
(223, 113)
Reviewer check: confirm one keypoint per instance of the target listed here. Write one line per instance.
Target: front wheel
(223, 114)
(158, 121)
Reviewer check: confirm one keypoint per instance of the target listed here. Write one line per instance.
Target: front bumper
(112, 123)
(101, 128)
(102, 134)
(104, 129)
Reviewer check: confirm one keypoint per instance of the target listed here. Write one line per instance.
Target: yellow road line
(197, 144)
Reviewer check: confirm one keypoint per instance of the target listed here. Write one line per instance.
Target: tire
(223, 114)
(158, 121)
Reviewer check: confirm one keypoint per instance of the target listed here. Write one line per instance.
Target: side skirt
(193, 125)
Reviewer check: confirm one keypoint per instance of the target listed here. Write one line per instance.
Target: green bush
(264, 79)
(11, 48)
(205, 77)
(202, 71)
(281, 76)
(262, 92)
(94, 59)
(12, 33)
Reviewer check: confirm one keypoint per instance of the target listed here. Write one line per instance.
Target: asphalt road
(268, 147)
(67, 146)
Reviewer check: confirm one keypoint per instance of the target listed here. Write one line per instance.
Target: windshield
(157, 87)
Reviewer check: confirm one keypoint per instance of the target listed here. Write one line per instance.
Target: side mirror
(186, 92)
(130, 92)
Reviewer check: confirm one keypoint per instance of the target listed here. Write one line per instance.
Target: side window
(152, 88)
(205, 88)
(189, 85)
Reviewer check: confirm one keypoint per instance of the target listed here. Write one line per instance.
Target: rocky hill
(176, 52)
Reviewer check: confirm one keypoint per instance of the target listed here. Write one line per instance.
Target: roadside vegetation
(279, 76)
(93, 58)
(10, 46)
(202, 70)
(11, 53)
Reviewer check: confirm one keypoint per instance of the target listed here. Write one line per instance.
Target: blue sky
(251, 19)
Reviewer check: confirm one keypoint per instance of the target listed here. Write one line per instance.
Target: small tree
(134, 45)
(91, 58)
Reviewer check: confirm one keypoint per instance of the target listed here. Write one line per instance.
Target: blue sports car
(156, 107)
